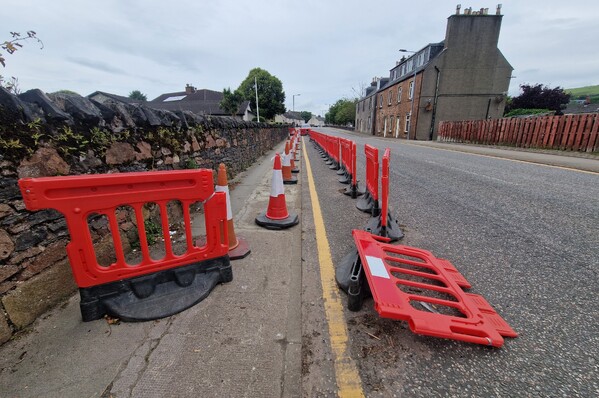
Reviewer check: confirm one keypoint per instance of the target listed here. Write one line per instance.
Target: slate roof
(202, 102)
(118, 98)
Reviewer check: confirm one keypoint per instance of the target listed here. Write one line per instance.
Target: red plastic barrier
(385, 187)
(346, 154)
(333, 148)
(413, 285)
(78, 197)
(372, 171)
(354, 167)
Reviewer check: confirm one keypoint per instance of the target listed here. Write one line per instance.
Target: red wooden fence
(569, 132)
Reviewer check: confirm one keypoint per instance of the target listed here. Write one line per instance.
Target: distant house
(294, 118)
(366, 106)
(463, 77)
(102, 97)
(201, 102)
(316, 121)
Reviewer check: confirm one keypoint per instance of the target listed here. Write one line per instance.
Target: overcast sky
(323, 50)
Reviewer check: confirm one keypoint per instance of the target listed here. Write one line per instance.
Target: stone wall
(48, 135)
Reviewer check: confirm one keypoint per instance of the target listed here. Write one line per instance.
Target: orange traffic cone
(292, 160)
(277, 216)
(238, 247)
(286, 170)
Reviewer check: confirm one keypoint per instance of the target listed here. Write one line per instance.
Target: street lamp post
(413, 91)
(293, 96)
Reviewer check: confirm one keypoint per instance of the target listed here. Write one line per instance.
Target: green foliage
(138, 95)
(190, 164)
(583, 91)
(271, 97)
(153, 234)
(538, 96)
(231, 101)
(69, 142)
(524, 112)
(306, 116)
(342, 113)
(153, 231)
(65, 92)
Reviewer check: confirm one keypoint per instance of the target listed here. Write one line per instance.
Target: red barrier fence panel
(372, 171)
(385, 187)
(354, 167)
(346, 153)
(413, 285)
(79, 197)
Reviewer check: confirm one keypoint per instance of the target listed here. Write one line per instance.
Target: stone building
(200, 102)
(463, 77)
(365, 108)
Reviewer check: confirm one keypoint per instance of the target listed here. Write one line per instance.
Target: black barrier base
(350, 278)
(334, 166)
(291, 220)
(366, 203)
(353, 191)
(391, 231)
(341, 171)
(156, 295)
(346, 179)
(296, 170)
(293, 180)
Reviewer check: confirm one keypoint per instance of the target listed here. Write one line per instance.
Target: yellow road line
(346, 371)
(503, 158)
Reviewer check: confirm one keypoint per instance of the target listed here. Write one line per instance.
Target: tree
(343, 112)
(10, 46)
(538, 96)
(271, 97)
(65, 92)
(138, 95)
(231, 101)
(306, 116)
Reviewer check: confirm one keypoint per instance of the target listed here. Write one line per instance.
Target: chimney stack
(498, 11)
(457, 9)
(189, 89)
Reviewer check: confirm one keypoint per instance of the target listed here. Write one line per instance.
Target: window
(398, 126)
(399, 94)
(380, 100)
(389, 97)
(407, 126)
(411, 90)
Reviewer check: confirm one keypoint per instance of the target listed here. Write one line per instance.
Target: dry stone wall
(48, 135)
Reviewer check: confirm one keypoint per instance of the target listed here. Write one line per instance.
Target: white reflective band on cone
(220, 188)
(286, 159)
(277, 187)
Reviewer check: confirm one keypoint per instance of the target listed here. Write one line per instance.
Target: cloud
(97, 65)
(321, 49)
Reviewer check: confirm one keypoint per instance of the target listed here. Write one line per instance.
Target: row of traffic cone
(277, 216)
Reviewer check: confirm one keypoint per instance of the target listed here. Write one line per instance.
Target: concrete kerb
(261, 324)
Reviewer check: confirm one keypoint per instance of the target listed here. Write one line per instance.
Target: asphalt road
(526, 237)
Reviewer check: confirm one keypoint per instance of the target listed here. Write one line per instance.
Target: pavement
(572, 160)
(244, 340)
